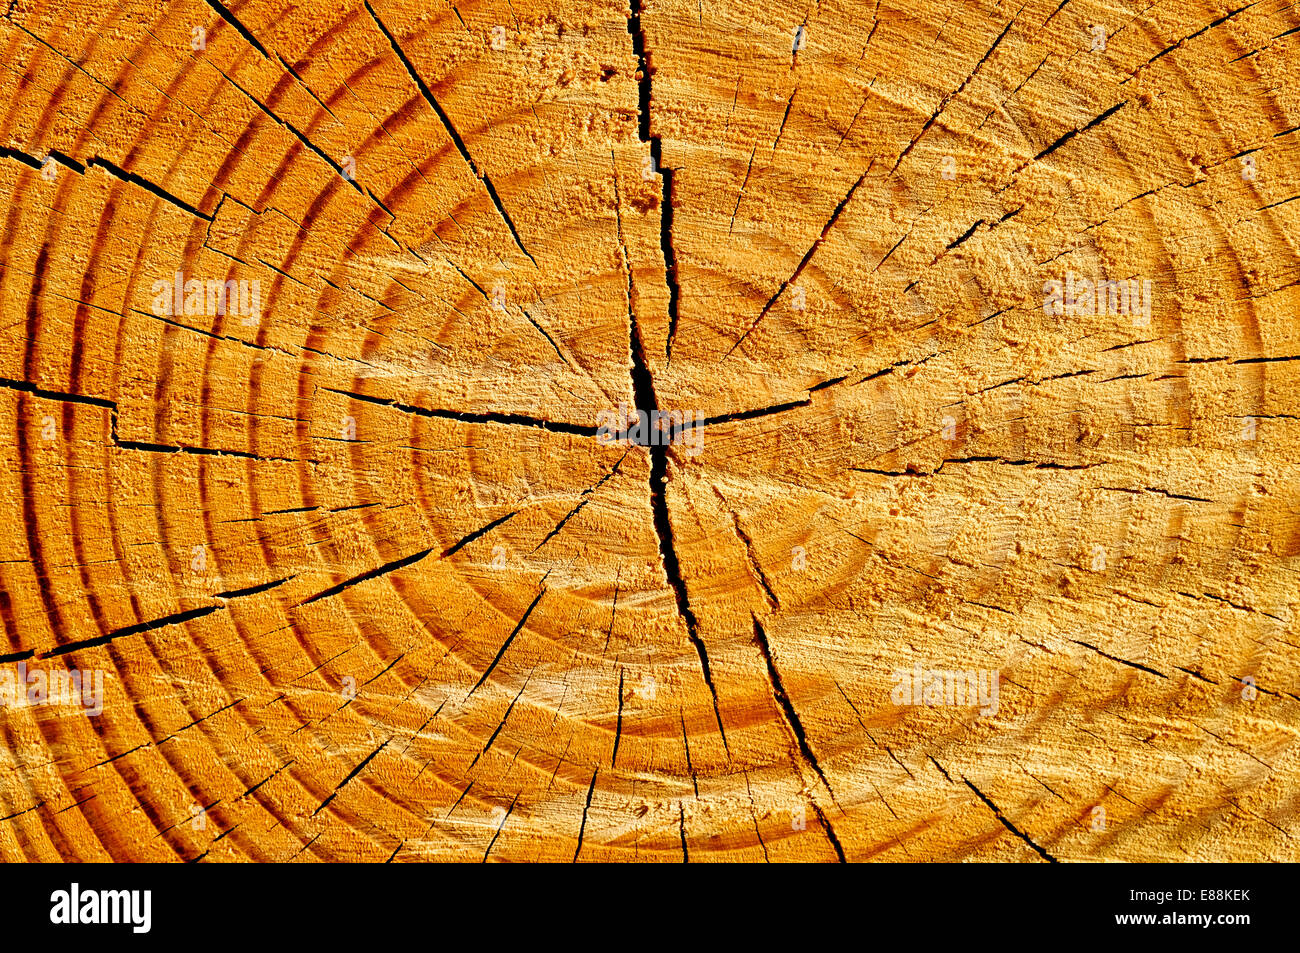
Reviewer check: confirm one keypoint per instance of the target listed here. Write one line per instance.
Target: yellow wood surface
(361, 580)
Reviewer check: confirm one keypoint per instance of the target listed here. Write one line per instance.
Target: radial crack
(136, 629)
(644, 396)
(488, 417)
(367, 575)
(835, 215)
(427, 93)
(1007, 824)
(783, 699)
(665, 175)
(505, 645)
(224, 12)
(355, 771)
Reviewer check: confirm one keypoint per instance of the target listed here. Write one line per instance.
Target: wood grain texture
(364, 583)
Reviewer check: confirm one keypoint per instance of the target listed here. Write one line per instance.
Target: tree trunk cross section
(571, 430)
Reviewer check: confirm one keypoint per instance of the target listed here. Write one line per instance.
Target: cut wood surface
(975, 535)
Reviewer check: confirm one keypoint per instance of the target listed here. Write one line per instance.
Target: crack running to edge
(427, 93)
(665, 174)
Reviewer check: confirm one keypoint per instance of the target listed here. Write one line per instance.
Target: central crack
(643, 390)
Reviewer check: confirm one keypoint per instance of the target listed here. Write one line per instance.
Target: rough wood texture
(363, 581)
